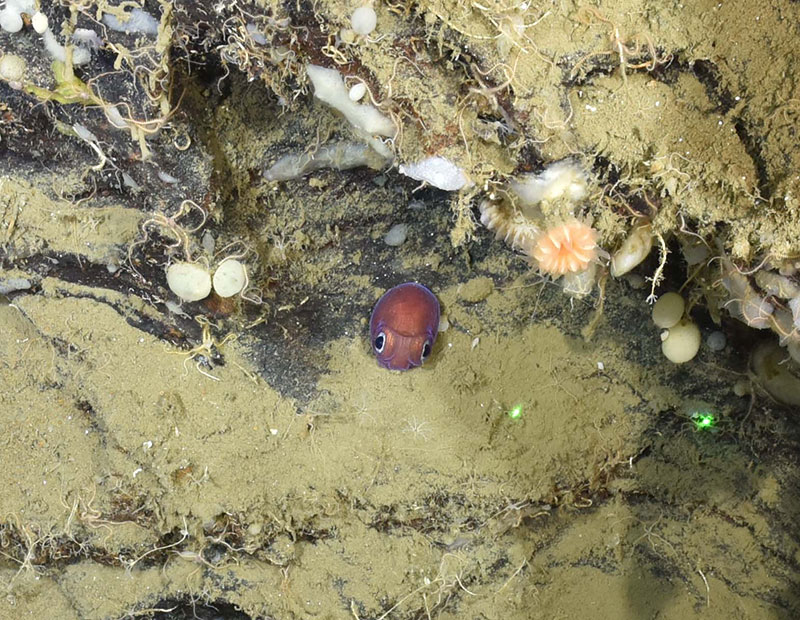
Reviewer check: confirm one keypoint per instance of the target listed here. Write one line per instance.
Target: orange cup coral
(566, 248)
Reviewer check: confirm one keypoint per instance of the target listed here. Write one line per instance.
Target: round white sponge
(364, 20)
(189, 281)
(230, 278)
(12, 67)
(668, 310)
(682, 342)
(10, 20)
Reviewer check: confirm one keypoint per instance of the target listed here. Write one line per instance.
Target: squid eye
(379, 342)
(426, 350)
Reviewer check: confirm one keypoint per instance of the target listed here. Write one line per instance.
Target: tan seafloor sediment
(151, 464)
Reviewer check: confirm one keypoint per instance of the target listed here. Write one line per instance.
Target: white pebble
(167, 178)
(189, 281)
(716, 341)
(396, 235)
(357, 92)
(129, 181)
(230, 278)
(256, 34)
(114, 117)
(209, 243)
(84, 133)
(364, 20)
(39, 22)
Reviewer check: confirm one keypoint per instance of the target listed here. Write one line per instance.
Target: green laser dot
(703, 420)
(515, 413)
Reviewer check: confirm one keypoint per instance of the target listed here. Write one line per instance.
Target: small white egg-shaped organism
(189, 281)
(12, 67)
(230, 278)
(668, 310)
(363, 20)
(681, 342)
(633, 251)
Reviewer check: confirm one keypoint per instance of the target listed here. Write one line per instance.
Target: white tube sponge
(80, 55)
(329, 88)
(138, 21)
(341, 156)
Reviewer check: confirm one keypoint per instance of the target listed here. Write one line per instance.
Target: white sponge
(329, 88)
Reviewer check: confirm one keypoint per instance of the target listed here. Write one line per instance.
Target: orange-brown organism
(404, 325)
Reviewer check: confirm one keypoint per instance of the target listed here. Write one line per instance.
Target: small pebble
(167, 178)
(716, 341)
(741, 387)
(396, 235)
(357, 92)
(10, 285)
(635, 280)
(256, 34)
(208, 242)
